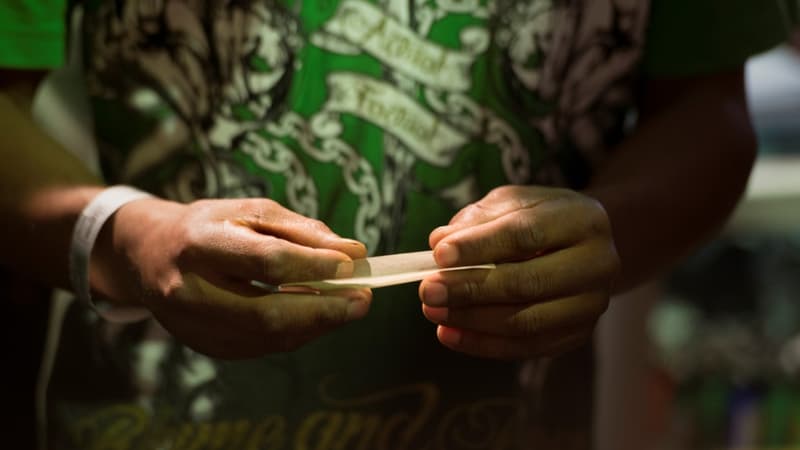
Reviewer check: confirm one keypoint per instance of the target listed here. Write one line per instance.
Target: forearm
(43, 188)
(675, 181)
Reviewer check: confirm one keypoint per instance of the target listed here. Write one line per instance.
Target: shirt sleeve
(32, 33)
(691, 37)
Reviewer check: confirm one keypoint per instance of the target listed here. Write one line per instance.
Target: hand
(556, 262)
(192, 266)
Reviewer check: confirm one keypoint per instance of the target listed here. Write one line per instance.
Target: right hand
(191, 266)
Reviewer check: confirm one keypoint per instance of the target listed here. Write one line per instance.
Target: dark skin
(560, 254)
(189, 264)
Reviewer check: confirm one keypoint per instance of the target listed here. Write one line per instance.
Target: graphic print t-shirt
(382, 118)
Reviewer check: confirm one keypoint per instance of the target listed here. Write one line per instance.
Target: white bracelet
(87, 227)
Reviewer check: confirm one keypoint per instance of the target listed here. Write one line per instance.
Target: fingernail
(357, 309)
(344, 269)
(352, 242)
(434, 294)
(449, 336)
(436, 315)
(446, 255)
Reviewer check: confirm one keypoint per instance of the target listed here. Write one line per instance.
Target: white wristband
(87, 228)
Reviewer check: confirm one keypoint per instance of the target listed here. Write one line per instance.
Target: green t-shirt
(32, 34)
(380, 117)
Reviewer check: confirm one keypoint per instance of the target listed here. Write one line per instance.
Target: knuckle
(497, 192)
(597, 217)
(256, 209)
(527, 322)
(278, 256)
(485, 207)
(271, 322)
(262, 203)
(244, 206)
(470, 212)
(504, 192)
(286, 330)
(317, 225)
(527, 234)
(322, 267)
(469, 293)
(530, 285)
(276, 261)
(329, 313)
(263, 207)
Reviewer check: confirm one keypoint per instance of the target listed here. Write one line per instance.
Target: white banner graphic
(368, 27)
(389, 108)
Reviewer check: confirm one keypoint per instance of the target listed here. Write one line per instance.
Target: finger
(273, 320)
(561, 274)
(255, 288)
(293, 314)
(496, 203)
(498, 347)
(243, 254)
(269, 217)
(521, 234)
(211, 337)
(197, 295)
(522, 320)
(239, 286)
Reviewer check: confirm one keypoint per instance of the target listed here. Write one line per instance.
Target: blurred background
(716, 362)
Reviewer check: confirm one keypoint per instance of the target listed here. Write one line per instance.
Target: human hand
(192, 266)
(556, 262)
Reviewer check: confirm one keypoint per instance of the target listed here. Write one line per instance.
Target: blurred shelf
(772, 201)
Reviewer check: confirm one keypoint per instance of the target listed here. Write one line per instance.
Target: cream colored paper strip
(382, 271)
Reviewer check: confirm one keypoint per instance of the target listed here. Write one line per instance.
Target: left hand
(556, 263)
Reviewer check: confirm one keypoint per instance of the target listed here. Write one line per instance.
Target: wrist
(90, 273)
(39, 226)
(128, 247)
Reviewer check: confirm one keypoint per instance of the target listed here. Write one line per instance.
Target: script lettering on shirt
(368, 27)
(416, 420)
(431, 139)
